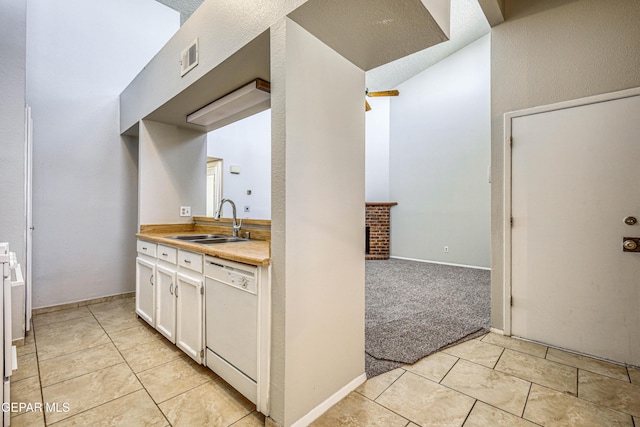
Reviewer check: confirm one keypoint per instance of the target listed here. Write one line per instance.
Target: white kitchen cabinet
(171, 285)
(189, 318)
(145, 289)
(190, 261)
(167, 254)
(166, 280)
(147, 248)
(166, 273)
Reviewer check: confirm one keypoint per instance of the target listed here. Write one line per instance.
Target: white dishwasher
(231, 322)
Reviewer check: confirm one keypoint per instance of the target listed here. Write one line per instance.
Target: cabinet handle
(171, 289)
(151, 280)
(187, 261)
(144, 248)
(163, 254)
(176, 291)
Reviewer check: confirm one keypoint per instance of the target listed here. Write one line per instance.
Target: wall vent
(189, 58)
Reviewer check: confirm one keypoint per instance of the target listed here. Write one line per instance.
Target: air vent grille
(189, 58)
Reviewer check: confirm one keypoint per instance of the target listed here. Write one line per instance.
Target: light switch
(234, 169)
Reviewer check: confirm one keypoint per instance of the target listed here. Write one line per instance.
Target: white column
(317, 224)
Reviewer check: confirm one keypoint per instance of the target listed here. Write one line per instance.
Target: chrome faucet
(236, 225)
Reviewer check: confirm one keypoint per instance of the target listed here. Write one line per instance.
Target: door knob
(631, 244)
(630, 220)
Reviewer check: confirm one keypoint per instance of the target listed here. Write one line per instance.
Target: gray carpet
(415, 308)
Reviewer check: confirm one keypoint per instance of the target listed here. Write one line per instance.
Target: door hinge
(511, 301)
(202, 290)
(511, 221)
(202, 353)
(511, 141)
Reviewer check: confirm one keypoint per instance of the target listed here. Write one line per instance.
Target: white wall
(80, 56)
(172, 173)
(13, 15)
(377, 150)
(547, 52)
(439, 159)
(245, 143)
(317, 223)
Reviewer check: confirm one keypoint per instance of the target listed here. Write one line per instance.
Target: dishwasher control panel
(242, 281)
(234, 274)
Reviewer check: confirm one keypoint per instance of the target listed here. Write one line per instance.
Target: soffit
(468, 24)
(247, 64)
(370, 33)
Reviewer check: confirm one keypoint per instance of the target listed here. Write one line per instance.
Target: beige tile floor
(103, 366)
(495, 381)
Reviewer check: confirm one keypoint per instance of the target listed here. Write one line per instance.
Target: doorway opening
(214, 184)
(428, 150)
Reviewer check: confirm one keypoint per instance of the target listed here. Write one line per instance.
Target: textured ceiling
(468, 24)
(185, 7)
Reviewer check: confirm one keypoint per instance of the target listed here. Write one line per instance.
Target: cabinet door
(166, 302)
(145, 290)
(189, 316)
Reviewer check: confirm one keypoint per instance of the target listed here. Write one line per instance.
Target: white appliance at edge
(5, 326)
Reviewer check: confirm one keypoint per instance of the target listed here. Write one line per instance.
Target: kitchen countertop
(254, 252)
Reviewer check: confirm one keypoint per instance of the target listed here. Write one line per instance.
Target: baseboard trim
(315, 413)
(49, 309)
(441, 263)
(496, 331)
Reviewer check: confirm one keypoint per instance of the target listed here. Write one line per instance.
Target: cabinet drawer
(147, 248)
(190, 260)
(168, 254)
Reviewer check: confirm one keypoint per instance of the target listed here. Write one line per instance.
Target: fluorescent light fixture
(248, 96)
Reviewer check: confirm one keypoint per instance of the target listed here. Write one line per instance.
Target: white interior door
(575, 176)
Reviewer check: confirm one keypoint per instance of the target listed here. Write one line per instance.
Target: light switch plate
(185, 210)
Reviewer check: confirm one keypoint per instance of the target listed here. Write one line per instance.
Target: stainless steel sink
(208, 239)
(221, 239)
(190, 237)
(197, 236)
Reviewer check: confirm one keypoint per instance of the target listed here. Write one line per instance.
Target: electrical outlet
(185, 210)
(247, 209)
(446, 249)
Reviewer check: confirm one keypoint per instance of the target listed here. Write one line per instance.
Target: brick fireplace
(378, 229)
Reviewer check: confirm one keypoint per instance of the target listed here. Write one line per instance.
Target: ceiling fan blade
(384, 93)
(367, 107)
